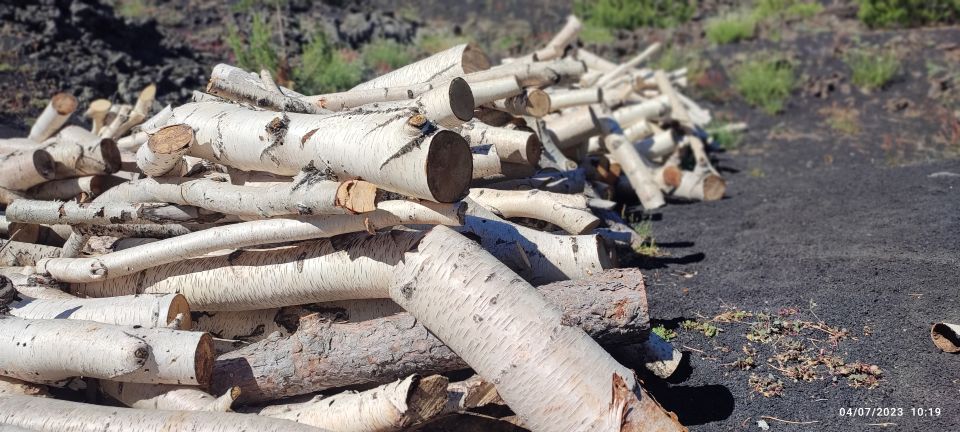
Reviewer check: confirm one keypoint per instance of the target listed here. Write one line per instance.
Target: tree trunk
(536, 74)
(168, 397)
(238, 85)
(151, 310)
(532, 102)
(700, 186)
(390, 148)
(570, 98)
(485, 92)
(568, 212)
(72, 213)
(22, 169)
(50, 415)
(97, 112)
(566, 36)
(387, 408)
(638, 171)
(77, 152)
(82, 189)
(164, 151)
(514, 146)
(324, 353)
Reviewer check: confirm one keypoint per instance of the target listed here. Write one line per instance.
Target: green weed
(731, 27)
(664, 333)
(765, 83)
(384, 55)
(907, 13)
(323, 69)
(872, 69)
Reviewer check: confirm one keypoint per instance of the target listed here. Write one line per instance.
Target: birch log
(485, 92)
(97, 112)
(594, 61)
(309, 193)
(247, 234)
(569, 212)
(168, 397)
(17, 254)
(700, 186)
(78, 152)
(448, 105)
(503, 341)
(638, 171)
(570, 98)
(514, 146)
(390, 407)
(537, 256)
(22, 169)
(284, 276)
(55, 350)
(946, 336)
(611, 75)
(390, 148)
(648, 110)
(81, 188)
(456, 61)
(566, 36)
(236, 84)
(163, 153)
(151, 310)
(175, 357)
(72, 213)
(486, 162)
(532, 102)
(536, 74)
(50, 415)
(573, 127)
(325, 353)
(53, 117)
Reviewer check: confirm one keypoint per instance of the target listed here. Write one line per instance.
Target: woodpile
(263, 259)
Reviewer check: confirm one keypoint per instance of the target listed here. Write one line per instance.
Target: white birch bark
(286, 276)
(238, 85)
(115, 119)
(514, 146)
(97, 112)
(449, 104)
(22, 169)
(81, 188)
(946, 336)
(648, 110)
(78, 152)
(18, 254)
(151, 310)
(609, 76)
(570, 98)
(456, 61)
(700, 186)
(503, 340)
(566, 36)
(485, 92)
(532, 102)
(55, 350)
(536, 74)
(175, 357)
(486, 162)
(638, 171)
(354, 98)
(50, 415)
(168, 397)
(594, 61)
(382, 147)
(73, 213)
(389, 407)
(308, 194)
(53, 117)
(569, 212)
(247, 234)
(163, 153)
(537, 256)
(573, 126)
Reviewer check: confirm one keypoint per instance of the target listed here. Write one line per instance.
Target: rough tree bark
(327, 353)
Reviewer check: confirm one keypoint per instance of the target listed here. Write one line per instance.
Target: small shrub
(384, 55)
(872, 69)
(323, 69)
(727, 139)
(786, 9)
(630, 14)
(591, 33)
(664, 333)
(256, 51)
(765, 83)
(908, 13)
(731, 27)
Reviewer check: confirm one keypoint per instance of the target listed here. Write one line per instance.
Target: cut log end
(474, 59)
(672, 176)
(205, 357)
(449, 166)
(357, 196)
(427, 397)
(945, 337)
(461, 99)
(98, 108)
(538, 103)
(171, 139)
(180, 307)
(64, 103)
(714, 187)
(44, 164)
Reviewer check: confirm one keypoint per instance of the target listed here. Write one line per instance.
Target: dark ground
(857, 229)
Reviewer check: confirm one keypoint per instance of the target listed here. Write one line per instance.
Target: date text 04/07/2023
(890, 412)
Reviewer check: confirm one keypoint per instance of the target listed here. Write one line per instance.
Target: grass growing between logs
(872, 69)
(780, 349)
(765, 83)
(649, 246)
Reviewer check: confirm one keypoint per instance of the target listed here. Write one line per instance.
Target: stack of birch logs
(260, 259)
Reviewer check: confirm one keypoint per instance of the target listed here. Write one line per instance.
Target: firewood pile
(261, 259)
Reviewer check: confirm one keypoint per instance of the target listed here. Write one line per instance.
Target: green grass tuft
(731, 27)
(664, 333)
(631, 14)
(872, 69)
(323, 69)
(765, 83)
(908, 13)
(384, 55)
(786, 9)
(592, 33)
(727, 139)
